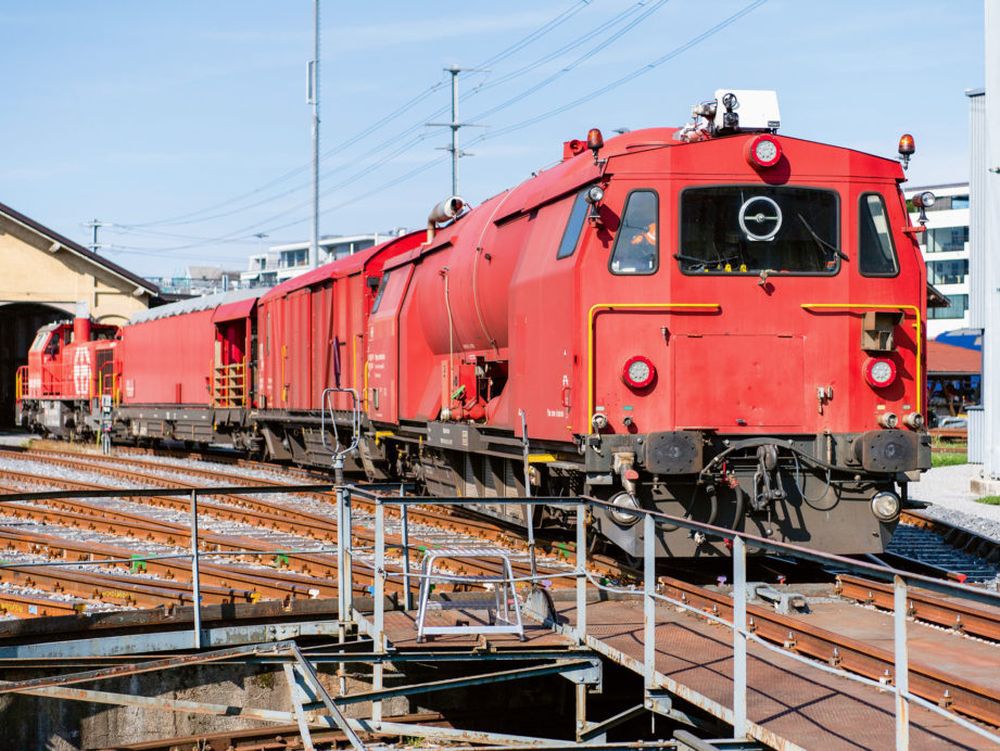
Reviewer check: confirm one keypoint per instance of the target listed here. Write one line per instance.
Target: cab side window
(876, 254)
(574, 225)
(637, 249)
(383, 283)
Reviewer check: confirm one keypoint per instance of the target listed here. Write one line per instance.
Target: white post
(648, 601)
(581, 572)
(901, 666)
(379, 592)
(739, 638)
(314, 101)
(195, 575)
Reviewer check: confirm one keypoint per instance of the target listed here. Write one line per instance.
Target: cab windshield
(744, 229)
(39, 342)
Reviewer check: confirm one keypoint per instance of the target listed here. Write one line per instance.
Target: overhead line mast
(313, 99)
(94, 225)
(455, 125)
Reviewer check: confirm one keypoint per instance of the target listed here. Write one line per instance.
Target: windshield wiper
(705, 262)
(690, 259)
(823, 244)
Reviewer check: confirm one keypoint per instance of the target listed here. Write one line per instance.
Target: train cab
(71, 366)
(754, 309)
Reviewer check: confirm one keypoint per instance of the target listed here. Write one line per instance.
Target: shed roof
(77, 249)
(947, 359)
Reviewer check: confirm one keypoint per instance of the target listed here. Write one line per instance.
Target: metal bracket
(591, 675)
(658, 702)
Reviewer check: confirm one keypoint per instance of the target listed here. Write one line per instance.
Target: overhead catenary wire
(694, 41)
(197, 215)
(263, 225)
(676, 51)
(394, 140)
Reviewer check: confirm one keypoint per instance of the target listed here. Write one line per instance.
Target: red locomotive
(71, 366)
(717, 321)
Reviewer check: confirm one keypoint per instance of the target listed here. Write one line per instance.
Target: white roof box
(755, 110)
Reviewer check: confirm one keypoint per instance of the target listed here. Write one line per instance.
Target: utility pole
(96, 224)
(313, 99)
(261, 236)
(455, 125)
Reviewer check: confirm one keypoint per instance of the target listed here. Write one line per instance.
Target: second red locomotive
(715, 321)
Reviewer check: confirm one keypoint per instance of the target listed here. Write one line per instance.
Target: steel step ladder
(501, 605)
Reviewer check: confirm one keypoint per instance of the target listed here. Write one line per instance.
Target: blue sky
(184, 123)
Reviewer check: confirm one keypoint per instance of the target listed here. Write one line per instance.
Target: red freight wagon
(188, 374)
(311, 337)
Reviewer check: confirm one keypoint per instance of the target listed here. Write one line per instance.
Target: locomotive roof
(194, 304)
(574, 172)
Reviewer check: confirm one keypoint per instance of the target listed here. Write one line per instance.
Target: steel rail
(283, 583)
(451, 523)
(925, 607)
(180, 534)
(29, 606)
(853, 655)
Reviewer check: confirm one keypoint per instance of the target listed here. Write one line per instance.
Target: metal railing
(392, 495)
(195, 555)
(650, 521)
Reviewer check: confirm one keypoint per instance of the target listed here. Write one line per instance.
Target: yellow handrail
(918, 326)
(595, 309)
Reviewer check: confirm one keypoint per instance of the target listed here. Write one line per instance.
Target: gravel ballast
(947, 489)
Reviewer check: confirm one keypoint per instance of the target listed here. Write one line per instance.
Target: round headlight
(914, 420)
(762, 151)
(624, 509)
(927, 199)
(879, 372)
(595, 194)
(638, 372)
(886, 506)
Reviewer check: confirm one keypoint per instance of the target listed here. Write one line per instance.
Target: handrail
(740, 541)
(21, 383)
(882, 306)
(592, 315)
(326, 402)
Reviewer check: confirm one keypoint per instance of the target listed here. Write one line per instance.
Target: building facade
(45, 277)
(945, 246)
(282, 262)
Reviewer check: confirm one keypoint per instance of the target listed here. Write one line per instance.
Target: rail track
(276, 530)
(837, 633)
(256, 548)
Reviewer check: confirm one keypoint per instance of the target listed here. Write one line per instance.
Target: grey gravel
(947, 489)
